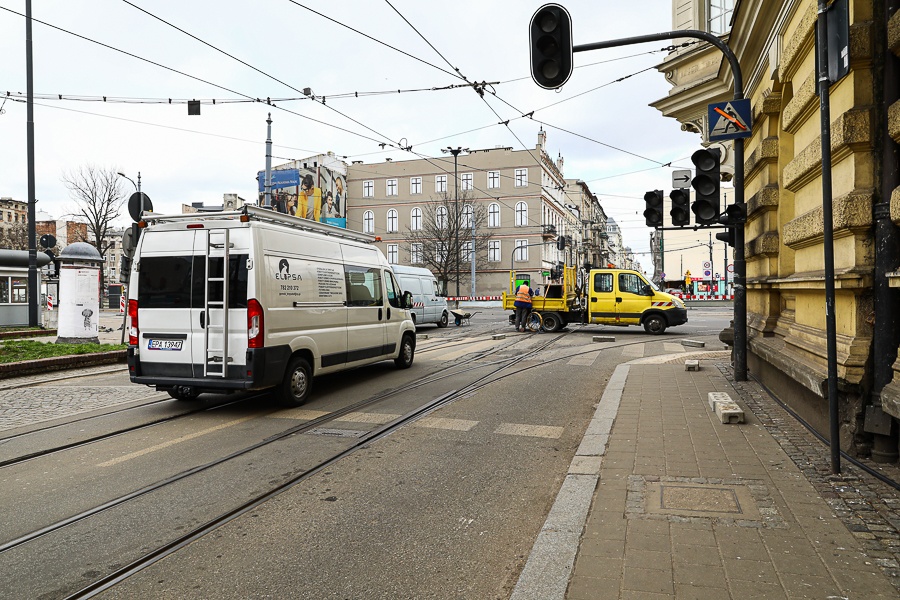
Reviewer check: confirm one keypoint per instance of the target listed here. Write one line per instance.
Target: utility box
(79, 294)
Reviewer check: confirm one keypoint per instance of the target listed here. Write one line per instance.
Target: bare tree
(99, 201)
(445, 233)
(14, 237)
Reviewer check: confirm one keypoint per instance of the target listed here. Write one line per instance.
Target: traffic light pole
(740, 265)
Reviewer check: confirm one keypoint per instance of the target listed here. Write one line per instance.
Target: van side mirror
(407, 300)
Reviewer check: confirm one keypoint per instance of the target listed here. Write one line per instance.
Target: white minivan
(297, 299)
(429, 305)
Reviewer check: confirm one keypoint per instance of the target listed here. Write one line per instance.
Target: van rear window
(180, 281)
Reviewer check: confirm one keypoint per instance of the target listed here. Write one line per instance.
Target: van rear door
(212, 246)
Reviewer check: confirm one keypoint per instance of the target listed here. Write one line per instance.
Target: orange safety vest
(522, 294)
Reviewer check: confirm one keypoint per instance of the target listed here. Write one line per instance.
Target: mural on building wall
(317, 193)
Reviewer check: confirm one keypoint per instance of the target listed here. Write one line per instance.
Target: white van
(429, 306)
(303, 299)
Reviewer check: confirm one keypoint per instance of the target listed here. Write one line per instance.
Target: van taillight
(255, 324)
(133, 323)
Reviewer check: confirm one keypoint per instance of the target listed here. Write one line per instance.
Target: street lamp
(137, 186)
(455, 152)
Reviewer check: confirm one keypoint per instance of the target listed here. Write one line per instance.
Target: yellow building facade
(775, 42)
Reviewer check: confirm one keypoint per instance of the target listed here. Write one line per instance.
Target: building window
(368, 222)
(415, 254)
(415, 219)
(521, 214)
(393, 254)
(19, 290)
(392, 220)
(440, 183)
(440, 217)
(465, 252)
(720, 15)
(415, 185)
(441, 252)
(493, 179)
(391, 189)
(468, 216)
(494, 251)
(494, 215)
(521, 177)
(521, 250)
(368, 189)
(467, 181)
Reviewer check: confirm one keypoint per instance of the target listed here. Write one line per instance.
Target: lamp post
(137, 187)
(455, 152)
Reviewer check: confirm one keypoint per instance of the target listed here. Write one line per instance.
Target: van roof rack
(266, 215)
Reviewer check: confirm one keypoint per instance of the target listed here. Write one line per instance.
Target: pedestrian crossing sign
(729, 120)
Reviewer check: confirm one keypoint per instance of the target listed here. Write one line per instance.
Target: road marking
(301, 414)
(544, 431)
(584, 360)
(363, 417)
(178, 440)
(442, 423)
(637, 350)
(670, 347)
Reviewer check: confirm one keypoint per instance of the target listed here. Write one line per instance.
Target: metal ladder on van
(216, 360)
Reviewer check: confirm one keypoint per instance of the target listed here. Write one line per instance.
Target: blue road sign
(730, 120)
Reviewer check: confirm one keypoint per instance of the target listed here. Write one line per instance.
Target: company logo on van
(284, 272)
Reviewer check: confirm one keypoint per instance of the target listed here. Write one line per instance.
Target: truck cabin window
(632, 284)
(603, 283)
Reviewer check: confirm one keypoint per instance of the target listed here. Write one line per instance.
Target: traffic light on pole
(706, 186)
(727, 236)
(735, 214)
(653, 213)
(681, 206)
(550, 37)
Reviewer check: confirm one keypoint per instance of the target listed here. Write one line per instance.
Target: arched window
(368, 222)
(392, 220)
(468, 216)
(521, 214)
(494, 215)
(415, 219)
(440, 217)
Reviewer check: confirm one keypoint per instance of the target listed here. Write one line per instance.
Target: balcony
(548, 231)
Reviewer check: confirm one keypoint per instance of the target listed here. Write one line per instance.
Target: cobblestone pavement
(869, 508)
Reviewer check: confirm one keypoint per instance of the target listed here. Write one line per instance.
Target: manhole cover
(700, 500)
(343, 433)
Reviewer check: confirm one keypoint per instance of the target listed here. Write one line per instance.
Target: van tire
(445, 320)
(552, 322)
(295, 388)
(655, 324)
(407, 353)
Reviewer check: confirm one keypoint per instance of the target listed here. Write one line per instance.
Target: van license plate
(165, 344)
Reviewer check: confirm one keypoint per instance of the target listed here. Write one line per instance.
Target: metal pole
(267, 202)
(140, 195)
(828, 236)
(712, 270)
(473, 250)
(456, 211)
(29, 134)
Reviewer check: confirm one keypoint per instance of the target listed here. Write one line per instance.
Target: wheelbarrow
(462, 318)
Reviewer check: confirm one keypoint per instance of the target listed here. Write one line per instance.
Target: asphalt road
(446, 507)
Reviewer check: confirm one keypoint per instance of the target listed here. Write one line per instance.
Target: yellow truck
(618, 297)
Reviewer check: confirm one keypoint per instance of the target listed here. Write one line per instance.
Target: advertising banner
(316, 193)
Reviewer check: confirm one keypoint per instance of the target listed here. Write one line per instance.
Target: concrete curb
(26, 333)
(549, 566)
(57, 363)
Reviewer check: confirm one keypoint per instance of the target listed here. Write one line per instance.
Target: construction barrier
(711, 297)
(471, 298)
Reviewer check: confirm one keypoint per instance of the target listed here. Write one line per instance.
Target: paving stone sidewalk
(687, 507)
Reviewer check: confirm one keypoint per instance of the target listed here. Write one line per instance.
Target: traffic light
(550, 37)
(561, 242)
(681, 206)
(735, 214)
(653, 213)
(706, 186)
(727, 236)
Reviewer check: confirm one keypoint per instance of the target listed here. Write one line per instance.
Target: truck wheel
(183, 393)
(295, 388)
(552, 322)
(654, 324)
(444, 320)
(407, 353)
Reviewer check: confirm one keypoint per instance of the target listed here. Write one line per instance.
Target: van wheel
(445, 320)
(183, 393)
(407, 353)
(297, 383)
(654, 324)
(552, 322)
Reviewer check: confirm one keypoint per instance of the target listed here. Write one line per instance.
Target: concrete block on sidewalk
(693, 343)
(498, 336)
(604, 338)
(692, 365)
(729, 412)
(419, 336)
(714, 397)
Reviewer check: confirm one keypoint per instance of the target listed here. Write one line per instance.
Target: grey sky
(196, 159)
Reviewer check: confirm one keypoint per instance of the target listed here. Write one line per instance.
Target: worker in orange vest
(523, 306)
